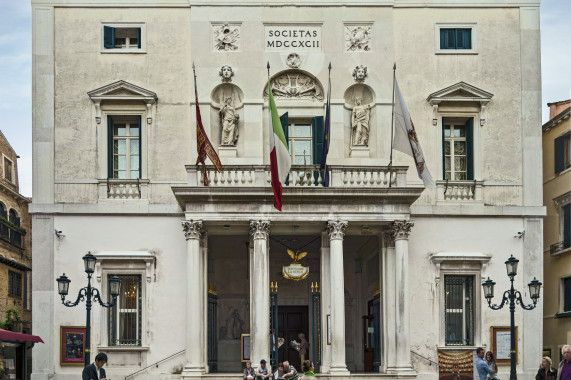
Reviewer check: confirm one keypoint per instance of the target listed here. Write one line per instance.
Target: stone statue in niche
(226, 38)
(358, 38)
(226, 73)
(229, 123)
(291, 85)
(360, 123)
(360, 73)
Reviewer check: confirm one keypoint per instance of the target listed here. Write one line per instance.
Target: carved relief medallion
(226, 37)
(358, 37)
(360, 73)
(293, 60)
(295, 84)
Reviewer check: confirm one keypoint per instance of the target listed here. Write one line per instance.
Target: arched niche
(225, 90)
(359, 90)
(218, 96)
(295, 84)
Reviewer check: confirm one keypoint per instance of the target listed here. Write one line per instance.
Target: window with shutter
(124, 150)
(567, 294)
(124, 38)
(456, 38)
(458, 149)
(562, 152)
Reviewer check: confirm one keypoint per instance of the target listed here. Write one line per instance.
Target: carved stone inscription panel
(292, 38)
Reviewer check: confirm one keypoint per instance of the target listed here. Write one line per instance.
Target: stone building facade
(393, 270)
(557, 231)
(15, 244)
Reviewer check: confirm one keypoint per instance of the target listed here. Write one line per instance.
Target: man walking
(564, 372)
(484, 370)
(95, 371)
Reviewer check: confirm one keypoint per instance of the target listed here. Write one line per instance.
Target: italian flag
(280, 161)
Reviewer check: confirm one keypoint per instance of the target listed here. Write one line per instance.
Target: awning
(10, 336)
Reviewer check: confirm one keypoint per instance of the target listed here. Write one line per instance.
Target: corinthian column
(401, 230)
(336, 230)
(260, 292)
(195, 365)
(389, 302)
(325, 303)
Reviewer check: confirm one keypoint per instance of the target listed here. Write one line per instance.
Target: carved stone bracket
(192, 229)
(336, 229)
(260, 229)
(401, 229)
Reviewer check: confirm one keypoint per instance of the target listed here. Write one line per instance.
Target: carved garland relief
(358, 37)
(226, 37)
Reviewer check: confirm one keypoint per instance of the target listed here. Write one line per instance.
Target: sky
(16, 77)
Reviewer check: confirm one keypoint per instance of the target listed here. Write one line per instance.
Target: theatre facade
(382, 275)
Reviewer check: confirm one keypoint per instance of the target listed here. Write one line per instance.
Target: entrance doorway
(292, 320)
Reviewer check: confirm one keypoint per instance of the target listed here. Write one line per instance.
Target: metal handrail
(154, 364)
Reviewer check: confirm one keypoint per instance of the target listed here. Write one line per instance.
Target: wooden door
(292, 320)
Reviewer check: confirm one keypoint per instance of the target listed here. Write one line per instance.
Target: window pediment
(460, 93)
(123, 92)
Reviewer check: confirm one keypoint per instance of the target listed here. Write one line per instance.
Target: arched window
(14, 217)
(3, 211)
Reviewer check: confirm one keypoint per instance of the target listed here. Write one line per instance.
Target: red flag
(203, 145)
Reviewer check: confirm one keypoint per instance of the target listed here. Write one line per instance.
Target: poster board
(501, 344)
(456, 364)
(245, 340)
(72, 345)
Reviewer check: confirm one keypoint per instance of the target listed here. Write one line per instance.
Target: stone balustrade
(113, 188)
(301, 176)
(460, 191)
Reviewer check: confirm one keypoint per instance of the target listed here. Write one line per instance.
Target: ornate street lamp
(513, 296)
(88, 294)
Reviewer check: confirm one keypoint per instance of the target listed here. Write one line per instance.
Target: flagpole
(392, 127)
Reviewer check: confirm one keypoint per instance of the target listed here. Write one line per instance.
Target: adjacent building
(557, 231)
(391, 280)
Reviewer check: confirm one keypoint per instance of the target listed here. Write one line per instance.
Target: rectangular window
(124, 38)
(124, 147)
(566, 210)
(567, 294)
(457, 149)
(125, 316)
(8, 166)
(562, 152)
(459, 310)
(300, 142)
(14, 284)
(457, 38)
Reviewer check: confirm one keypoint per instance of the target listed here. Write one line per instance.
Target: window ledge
(560, 253)
(454, 52)
(123, 348)
(566, 314)
(123, 51)
(465, 348)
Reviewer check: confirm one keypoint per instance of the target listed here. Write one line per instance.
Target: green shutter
(447, 38)
(443, 150)
(559, 154)
(109, 147)
(284, 119)
(566, 225)
(140, 147)
(139, 37)
(108, 37)
(463, 39)
(470, 149)
(318, 136)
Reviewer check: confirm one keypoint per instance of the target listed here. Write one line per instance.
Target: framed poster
(245, 347)
(455, 364)
(546, 352)
(72, 345)
(501, 344)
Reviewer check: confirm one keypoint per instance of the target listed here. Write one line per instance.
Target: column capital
(401, 229)
(388, 238)
(336, 229)
(260, 229)
(192, 229)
